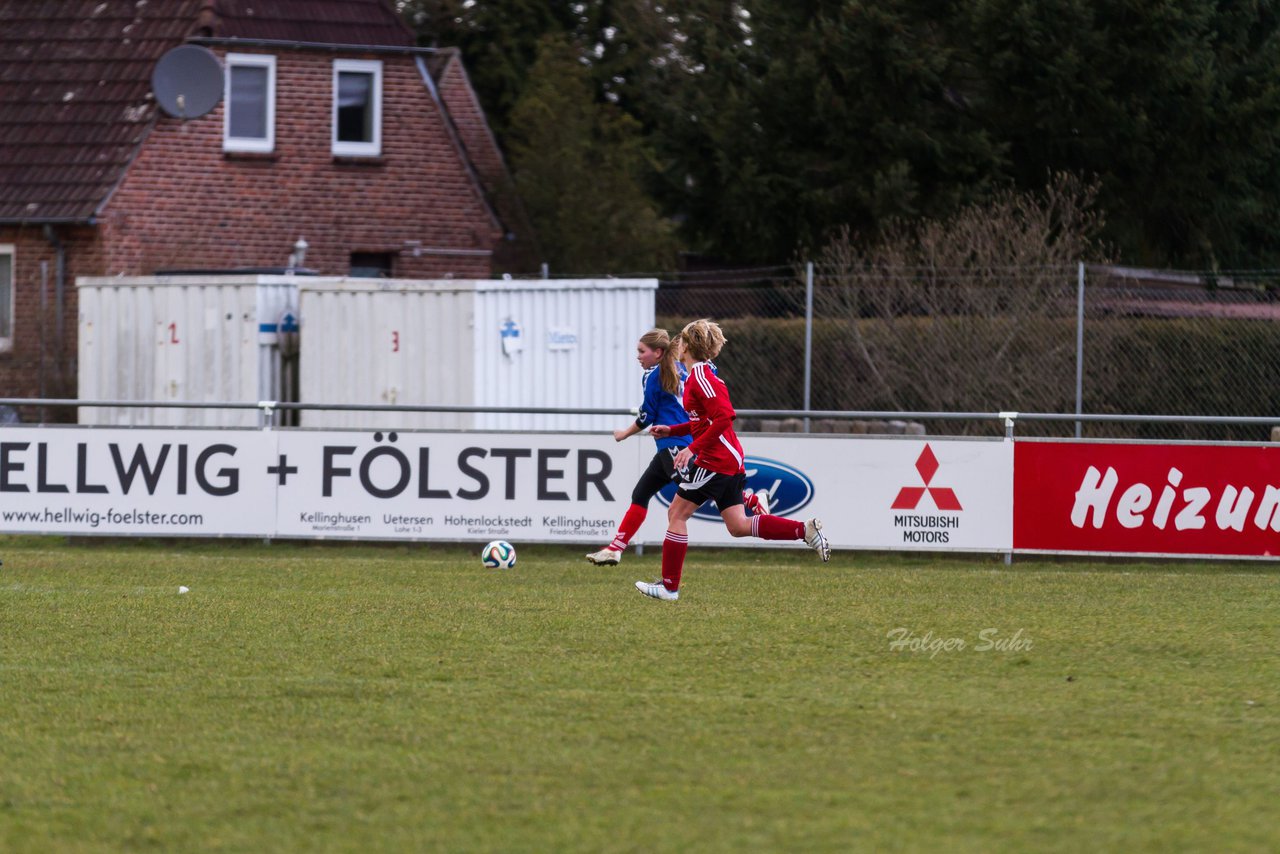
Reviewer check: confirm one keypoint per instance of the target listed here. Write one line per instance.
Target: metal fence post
(808, 339)
(1079, 344)
(44, 322)
(1010, 418)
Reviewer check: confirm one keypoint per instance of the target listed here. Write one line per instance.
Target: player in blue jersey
(663, 384)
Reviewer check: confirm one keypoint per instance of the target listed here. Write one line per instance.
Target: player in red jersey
(711, 466)
(663, 384)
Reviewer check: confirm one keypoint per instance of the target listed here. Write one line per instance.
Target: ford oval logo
(788, 489)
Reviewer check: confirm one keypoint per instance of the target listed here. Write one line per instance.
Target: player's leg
(736, 520)
(732, 500)
(780, 528)
(674, 547)
(766, 527)
(655, 476)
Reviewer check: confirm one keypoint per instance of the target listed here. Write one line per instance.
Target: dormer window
(357, 108)
(251, 103)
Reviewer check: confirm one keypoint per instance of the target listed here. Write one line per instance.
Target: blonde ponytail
(657, 339)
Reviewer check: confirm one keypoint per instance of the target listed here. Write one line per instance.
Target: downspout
(44, 338)
(59, 288)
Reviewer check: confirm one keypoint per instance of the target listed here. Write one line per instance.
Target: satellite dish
(188, 81)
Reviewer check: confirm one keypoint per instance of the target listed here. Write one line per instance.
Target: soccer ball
(499, 555)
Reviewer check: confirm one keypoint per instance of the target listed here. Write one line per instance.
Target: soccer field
(339, 697)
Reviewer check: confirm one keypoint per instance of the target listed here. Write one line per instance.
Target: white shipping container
(191, 338)
(509, 343)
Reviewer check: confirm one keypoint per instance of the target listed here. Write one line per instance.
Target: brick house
(332, 128)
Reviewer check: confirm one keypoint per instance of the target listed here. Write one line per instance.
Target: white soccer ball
(498, 555)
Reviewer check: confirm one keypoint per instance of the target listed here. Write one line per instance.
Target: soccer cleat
(759, 503)
(762, 502)
(657, 590)
(814, 539)
(605, 557)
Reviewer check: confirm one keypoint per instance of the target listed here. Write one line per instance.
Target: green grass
(358, 698)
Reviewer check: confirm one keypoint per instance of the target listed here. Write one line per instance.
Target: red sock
(631, 522)
(776, 528)
(673, 551)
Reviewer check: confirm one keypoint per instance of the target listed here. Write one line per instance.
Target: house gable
(78, 130)
(187, 203)
(95, 179)
(518, 251)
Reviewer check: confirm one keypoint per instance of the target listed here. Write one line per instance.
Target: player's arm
(648, 412)
(716, 425)
(661, 431)
(627, 432)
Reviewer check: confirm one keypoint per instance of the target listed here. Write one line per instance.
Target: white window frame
(6, 341)
(358, 149)
(245, 143)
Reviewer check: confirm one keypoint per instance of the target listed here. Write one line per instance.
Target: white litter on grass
(183, 589)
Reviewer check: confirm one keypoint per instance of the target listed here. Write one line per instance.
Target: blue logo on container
(788, 488)
(511, 340)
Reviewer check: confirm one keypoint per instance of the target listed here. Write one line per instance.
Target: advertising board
(1135, 498)
(874, 493)
(154, 482)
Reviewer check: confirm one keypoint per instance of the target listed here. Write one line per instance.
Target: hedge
(1181, 366)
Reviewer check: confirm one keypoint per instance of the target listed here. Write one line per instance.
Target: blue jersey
(662, 407)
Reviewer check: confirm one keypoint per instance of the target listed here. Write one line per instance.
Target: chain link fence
(1026, 339)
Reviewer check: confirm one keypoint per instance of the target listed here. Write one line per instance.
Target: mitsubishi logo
(943, 497)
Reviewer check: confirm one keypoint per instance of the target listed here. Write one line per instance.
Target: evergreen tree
(1174, 104)
(776, 122)
(833, 112)
(498, 40)
(578, 167)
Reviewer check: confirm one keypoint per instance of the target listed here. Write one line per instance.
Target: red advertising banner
(1217, 500)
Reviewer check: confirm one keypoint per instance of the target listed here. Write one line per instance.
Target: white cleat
(761, 507)
(605, 557)
(814, 539)
(657, 590)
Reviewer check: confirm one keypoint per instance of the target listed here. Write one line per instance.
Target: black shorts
(701, 485)
(661, 470)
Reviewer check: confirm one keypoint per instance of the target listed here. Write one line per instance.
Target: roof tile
(348, 22)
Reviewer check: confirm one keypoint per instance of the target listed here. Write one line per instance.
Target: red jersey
(706, 399)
